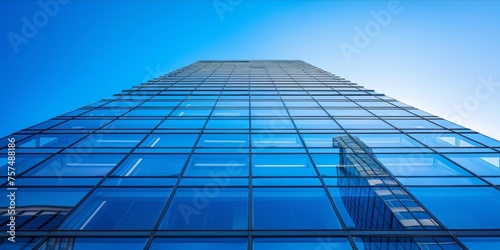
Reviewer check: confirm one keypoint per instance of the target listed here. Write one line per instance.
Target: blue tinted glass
(56, 181)
(301, 243)
(293, 208)
(82, 124)
(230, 112)
(269, 112)
(119, 209)
(227, 124)
(315, 124)
(445, 140)
(275, 123)
(319, 140)
(199, 244)
(390, 112)
(197, 104)
(301, 104)
(191, 112)
(110, 140)
(348, 112)
(415, 124)
(210, 208)
(481, 164)
(133, 124)
(95, 243)
(149, 112)
(286, 182)
(440, 181)
(481, 243)
(49, 140)
(182, 124)
(223, 140)
(327, 164)
(420, 165)
(22, 162)
(217, 165)
(77, 165)
(276, 140)
(462, 207)
(151, 165)
(106, 112)
(170, 140)
(267, 104)
(307, 112)
(214, 181)
(387, 140)
(484, 140)
(282, 165)
(363, 124)
(48, 197)
(338, 104)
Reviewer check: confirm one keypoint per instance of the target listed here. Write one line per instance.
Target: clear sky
(440, 56)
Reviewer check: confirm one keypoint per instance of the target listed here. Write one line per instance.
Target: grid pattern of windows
(253, 155)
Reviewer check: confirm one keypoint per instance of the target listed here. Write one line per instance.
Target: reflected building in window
(252, 155)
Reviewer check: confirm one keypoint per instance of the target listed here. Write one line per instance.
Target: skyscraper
(249, 155)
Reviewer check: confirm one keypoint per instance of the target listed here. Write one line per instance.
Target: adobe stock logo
(223, 6)
(372, 29)
(30, 27)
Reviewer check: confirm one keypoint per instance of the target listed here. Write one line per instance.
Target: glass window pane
(319, 140)
(133, 124)
(77, 165)
(22, 162)
(182, 124)
(414, 124)
(420, 165)
(348, 112)
(327, 164)
(191, 112)
(210, 165)
(223, 140)
(301, 243)
(151, 165)
(276, 140)
(315, 124)
(230, 112)
(390, 112)
(227, 124)
(213, 208)
(282, 165)
(170, 140)
(106, 112)
(307, 112)
(484, 140)
(95, 243)
(82, 124)
(110, 140)
(199, 244)
(480, 164)
(481, 243)
(149, 112)
(363, 124)
(50, 140)
(269, 112)
(462, 207)
(275, 123)
(296, 208)
(440, 181)
(387, 140)
(445, 140)
(119, 209)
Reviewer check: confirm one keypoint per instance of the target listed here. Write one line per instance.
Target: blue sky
(440, 56)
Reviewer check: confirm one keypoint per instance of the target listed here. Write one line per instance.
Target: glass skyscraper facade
(253, 155)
